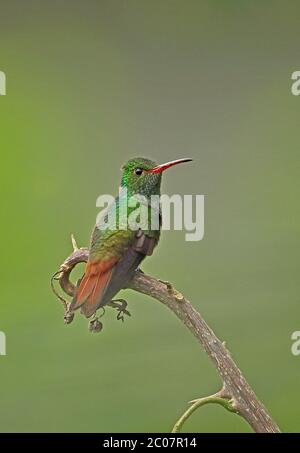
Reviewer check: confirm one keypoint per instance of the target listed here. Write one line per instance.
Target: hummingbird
(115, 254)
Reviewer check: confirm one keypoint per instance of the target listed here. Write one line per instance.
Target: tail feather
(92, 286)
(93, 301)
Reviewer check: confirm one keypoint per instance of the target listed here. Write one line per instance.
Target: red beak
(163, 167)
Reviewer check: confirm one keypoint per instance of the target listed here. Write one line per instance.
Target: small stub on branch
(74, 243)
(172, 291)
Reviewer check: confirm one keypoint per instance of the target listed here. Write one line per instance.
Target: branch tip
(74, 243)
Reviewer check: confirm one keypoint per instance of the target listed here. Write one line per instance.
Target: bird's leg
(120, 305)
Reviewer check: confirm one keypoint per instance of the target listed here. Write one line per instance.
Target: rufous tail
(92, 286)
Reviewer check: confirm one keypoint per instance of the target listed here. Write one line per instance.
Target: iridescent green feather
(110, 242)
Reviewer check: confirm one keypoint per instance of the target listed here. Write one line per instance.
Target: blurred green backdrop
(89, 85)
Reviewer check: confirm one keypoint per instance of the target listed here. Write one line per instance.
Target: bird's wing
(114, 256)
(142, 246)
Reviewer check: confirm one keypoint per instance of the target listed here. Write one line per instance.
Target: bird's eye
(138, 171)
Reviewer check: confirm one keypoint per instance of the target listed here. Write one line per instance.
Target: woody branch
(236, 395)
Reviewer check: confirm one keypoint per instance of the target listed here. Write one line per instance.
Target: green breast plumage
(113, 233)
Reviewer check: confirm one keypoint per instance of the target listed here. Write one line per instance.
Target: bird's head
(143, 176)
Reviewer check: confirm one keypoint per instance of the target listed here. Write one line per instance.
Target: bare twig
(216, 399)
(236, 394)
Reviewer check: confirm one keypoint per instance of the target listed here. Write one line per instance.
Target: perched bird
(116, 253)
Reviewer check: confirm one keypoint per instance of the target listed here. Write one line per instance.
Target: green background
(89, 85)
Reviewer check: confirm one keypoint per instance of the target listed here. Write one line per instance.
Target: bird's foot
(120, 305)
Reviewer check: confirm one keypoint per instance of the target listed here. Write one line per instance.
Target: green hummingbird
(115, 253)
